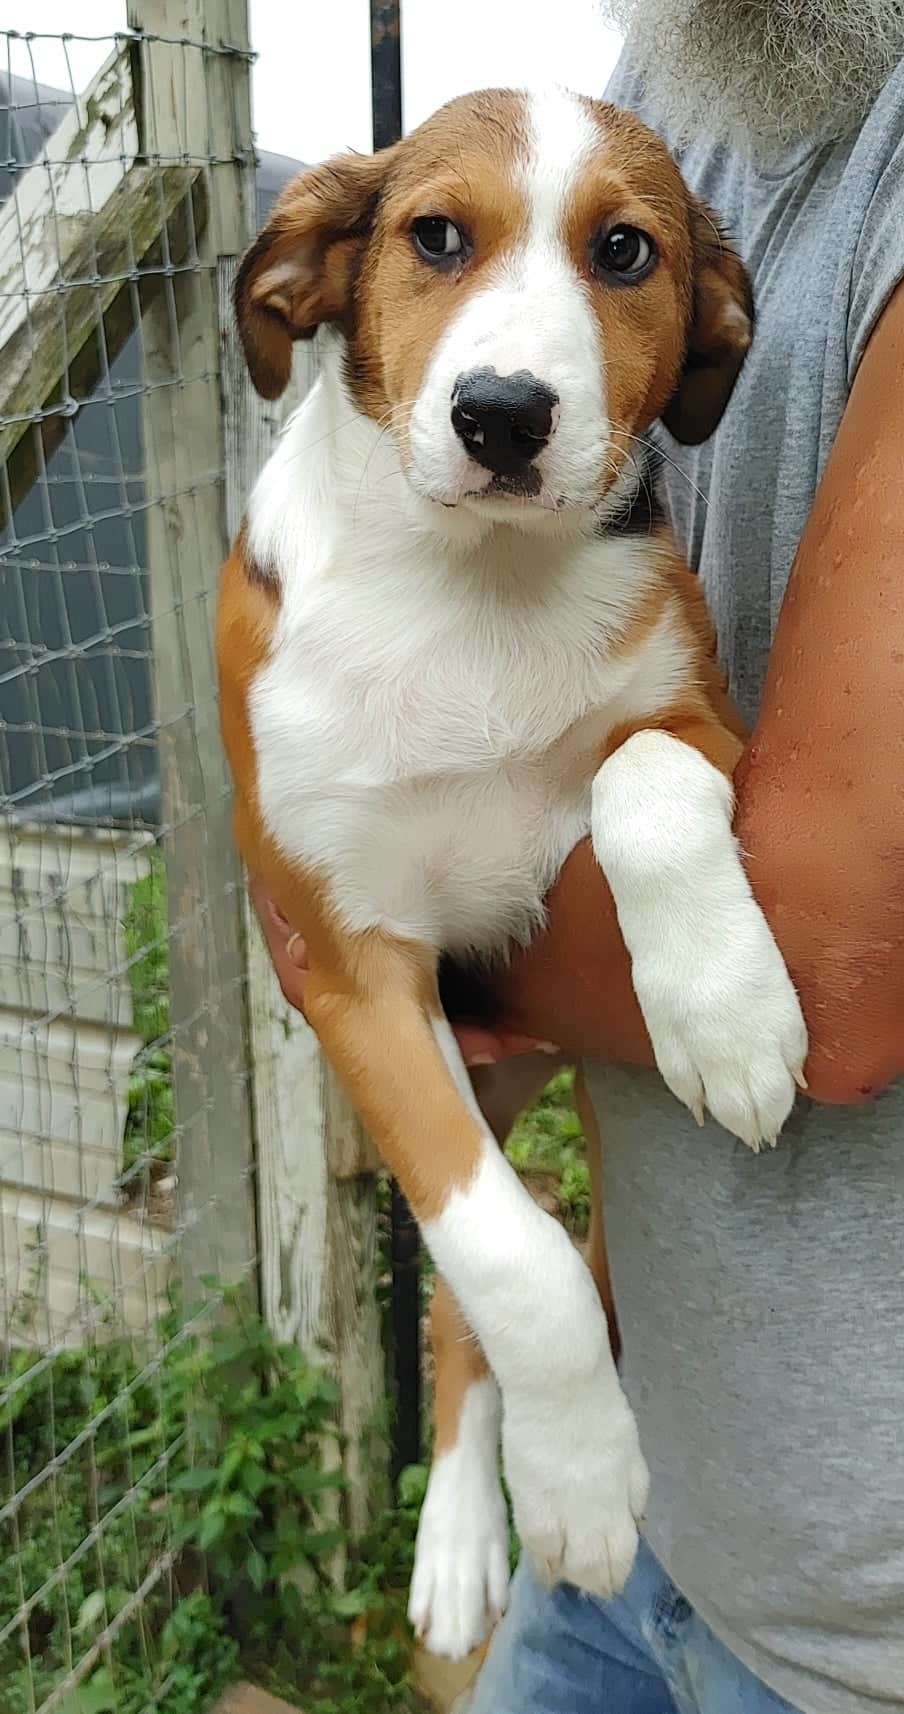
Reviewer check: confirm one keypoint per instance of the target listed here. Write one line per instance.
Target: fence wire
(120, 967)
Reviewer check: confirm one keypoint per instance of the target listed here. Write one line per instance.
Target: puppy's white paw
(725, 1023)
(579, 1482)
(461, 1564)
(719, 1005)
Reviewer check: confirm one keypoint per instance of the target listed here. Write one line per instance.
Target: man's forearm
(573, 985)
(821, 808)
(819, 862)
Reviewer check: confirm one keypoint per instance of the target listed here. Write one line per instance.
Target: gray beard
(761, 75)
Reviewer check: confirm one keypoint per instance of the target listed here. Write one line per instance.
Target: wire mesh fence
(125, 1130)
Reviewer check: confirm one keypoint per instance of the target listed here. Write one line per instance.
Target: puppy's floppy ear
(300, 269)
(719, 335)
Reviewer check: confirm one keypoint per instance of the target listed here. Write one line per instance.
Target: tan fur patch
(458, 1362)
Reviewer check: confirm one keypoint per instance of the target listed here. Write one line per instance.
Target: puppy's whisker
(388, 420)
(658, 451)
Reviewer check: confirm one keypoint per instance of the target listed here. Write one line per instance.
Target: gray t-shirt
(761, 1299)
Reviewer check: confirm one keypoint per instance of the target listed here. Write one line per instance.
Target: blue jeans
(560, 1652)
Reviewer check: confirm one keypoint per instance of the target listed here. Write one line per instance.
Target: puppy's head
(524, 285)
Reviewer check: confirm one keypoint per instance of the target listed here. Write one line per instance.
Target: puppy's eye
(624, 253)
(437, 239)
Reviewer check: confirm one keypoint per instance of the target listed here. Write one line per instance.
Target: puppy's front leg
(459, 1587)
(570, 1445)
(723, 1016)
(460, 1583)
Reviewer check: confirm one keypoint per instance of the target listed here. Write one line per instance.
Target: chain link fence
(125, 1105)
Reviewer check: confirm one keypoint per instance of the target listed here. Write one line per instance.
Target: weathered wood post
(192, 85)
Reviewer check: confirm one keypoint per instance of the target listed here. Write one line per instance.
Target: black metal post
(386, 71)
(386, 100)
(406, 1335)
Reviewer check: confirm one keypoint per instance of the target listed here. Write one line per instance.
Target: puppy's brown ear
(300, 269)
(719, 336)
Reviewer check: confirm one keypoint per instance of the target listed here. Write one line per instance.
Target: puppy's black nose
(502, 421)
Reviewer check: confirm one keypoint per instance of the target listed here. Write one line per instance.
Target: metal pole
(406, 1335)
(386, 106)
(386, 71)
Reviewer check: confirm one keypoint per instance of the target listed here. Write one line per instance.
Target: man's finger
(487, 1047)
(297, 951)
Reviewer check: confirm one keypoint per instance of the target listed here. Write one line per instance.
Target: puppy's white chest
(438, 789)
(432, 713)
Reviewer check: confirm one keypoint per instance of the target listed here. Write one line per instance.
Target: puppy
(454, 640)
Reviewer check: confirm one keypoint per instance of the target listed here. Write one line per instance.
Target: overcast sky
(312, 75)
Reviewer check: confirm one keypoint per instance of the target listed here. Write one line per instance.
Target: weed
(151, 1118)
(547, 1141)
(217, 1459)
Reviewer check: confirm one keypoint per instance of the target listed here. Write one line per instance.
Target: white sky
(312, 75)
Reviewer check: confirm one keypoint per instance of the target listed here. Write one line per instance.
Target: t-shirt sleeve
(879, 256)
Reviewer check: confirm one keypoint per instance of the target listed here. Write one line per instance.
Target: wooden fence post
(316, 1187)
(192, 86)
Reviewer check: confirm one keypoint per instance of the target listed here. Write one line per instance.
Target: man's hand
(289, 958)
(286, 949)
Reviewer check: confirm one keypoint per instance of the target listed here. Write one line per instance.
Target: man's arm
(820, 789)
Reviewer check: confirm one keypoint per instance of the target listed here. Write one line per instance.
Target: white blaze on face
(533, 314)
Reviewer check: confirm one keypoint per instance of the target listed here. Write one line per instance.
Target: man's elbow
(851, 1001)
(845, 1070)
(831, 923)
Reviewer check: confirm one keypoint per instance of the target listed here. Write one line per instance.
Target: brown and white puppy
(447, 654)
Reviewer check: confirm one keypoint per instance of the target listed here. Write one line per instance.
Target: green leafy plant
(547, 1142)
(261, 1497)
(88, 1520)
(196, 1660)
(223, 1451)
(151, 1119)
(255, 1482)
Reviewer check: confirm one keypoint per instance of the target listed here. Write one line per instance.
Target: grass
(48, 1405)
(212, 1450)
(547, 1147)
